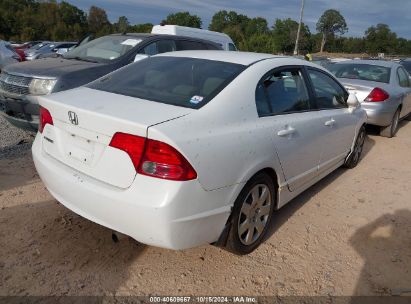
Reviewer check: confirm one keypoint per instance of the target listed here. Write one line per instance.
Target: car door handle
(286, 132)
(330, 123)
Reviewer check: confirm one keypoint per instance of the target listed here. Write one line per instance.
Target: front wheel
(251, 215)
(353, 160)
(392, 129)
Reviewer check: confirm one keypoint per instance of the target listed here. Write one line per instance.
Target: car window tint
(213, 46)
(282, 92)
(231, 47)
(403, 78)
(186, 82)
(164, 46)
(407, 65)
(190, 45)
(150, 49)
(330, 95)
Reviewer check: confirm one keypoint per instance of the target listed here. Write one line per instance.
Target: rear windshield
(185, 82)
(368, 72)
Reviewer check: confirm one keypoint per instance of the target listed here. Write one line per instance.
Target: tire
(253, 208)
(354, 158)
(392, 129)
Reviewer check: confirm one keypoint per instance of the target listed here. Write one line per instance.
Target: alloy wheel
(395, 122)
(359, 146)
(254, 214)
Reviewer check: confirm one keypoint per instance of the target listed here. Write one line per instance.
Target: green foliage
(184, 19)
(25, 20)
(331, 23)
(98, 23)
(260, 43)
(140, 28)
(256, 26)
(122, 25)
(223, 20)
(285, 33)
(380, 39)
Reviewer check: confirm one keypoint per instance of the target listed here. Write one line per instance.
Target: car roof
(244, 58)
(141, 35)
(149, 35)
(383, 63)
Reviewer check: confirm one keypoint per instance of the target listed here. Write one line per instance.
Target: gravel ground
(13, 141)
(348, 235)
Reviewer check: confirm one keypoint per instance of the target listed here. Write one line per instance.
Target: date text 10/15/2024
(202, 299)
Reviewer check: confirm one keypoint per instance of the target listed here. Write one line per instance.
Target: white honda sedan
(197, 147)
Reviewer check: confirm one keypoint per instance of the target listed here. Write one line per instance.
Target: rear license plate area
(80, 149)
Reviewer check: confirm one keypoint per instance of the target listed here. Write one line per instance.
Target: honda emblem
(73, 118)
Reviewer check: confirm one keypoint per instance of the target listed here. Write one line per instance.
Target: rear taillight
(163, 161)
(131, 144)
(377, 95)
(45, 118)
(22, 56)
(154, 158)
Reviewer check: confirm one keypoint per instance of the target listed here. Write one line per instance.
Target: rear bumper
(169, 214)
(379, 114)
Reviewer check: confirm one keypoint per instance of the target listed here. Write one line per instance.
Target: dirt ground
(348, 235)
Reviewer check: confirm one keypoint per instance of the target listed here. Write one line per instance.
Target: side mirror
(140, 57)
(353, 102)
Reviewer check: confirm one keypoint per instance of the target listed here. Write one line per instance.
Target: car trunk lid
(362, 88)
(84, 122)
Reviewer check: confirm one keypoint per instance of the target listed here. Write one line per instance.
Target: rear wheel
(251, 215)
(355, 156)
(392, 129)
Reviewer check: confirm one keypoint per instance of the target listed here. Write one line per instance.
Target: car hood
(49, 67)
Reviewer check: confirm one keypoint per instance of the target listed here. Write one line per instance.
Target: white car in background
(196, 147)
(221, 39)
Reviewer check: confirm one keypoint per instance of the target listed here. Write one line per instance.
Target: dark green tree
(256, 26)
(122, 24)
(331, 23)
(141, 28)
(183, 19)
(380, 39)
(284, 33)
(98, 23)
(260, 43)
(223, 19)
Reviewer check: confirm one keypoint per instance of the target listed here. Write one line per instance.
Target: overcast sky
(359, 14)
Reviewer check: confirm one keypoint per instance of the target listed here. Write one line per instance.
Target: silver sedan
(382, 87)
